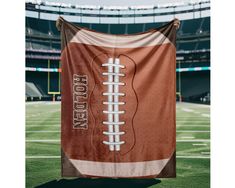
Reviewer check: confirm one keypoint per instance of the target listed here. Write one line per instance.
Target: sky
(117, 2)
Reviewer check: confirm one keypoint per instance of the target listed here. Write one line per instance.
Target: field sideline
(43, 150)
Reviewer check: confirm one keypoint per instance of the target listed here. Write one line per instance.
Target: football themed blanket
(118, 103)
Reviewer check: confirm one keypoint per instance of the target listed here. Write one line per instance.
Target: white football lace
(113, 103)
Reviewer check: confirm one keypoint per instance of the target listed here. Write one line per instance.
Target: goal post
(49, 91)
(178, 97)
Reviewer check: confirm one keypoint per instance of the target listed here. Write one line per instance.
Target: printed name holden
(80, 114)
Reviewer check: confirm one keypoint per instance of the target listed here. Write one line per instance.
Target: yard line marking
(43, 131)
(192, 131)
(58, 157)
(42, 140)
(42, 102)
(187, 137)
(199, 144)
(191, 116)
(37, 121)
(54, 125)
(189, 120)
(42, 119)
(43, 157)
(205, 115)
(187, 109)
(193, 125)
(202, 140)
(193, 157)
(205, 153)
(56, 119)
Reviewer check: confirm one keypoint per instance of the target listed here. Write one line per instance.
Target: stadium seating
(53, 29)
(202, 45)
(187, 46)
(39, 27)
(32, 90)
(135, 28)
(43, 40)
(48, 30)
(101, 27)
(117, 28)
(28, 45)
(191, 26)
(41, 45)
(206, 25)
(55, 46)
(149, 26)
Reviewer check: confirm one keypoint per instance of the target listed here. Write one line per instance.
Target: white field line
(43, 131)
(58, 157)
(193, 157)
(187, 110)
(193, 104)
(199, 144)
(41, 113)
(196, 140)
(42, 140)
(54, 125)
(45, 112)
(199, 125)
(198, 121)
(194, 125)
(205, 153)
(205, 115)
(188, 116)
(192, 131)
(37, 121)
(39, 118)
(187, 137)
(43, 157)
(42, 119)
(43, 102)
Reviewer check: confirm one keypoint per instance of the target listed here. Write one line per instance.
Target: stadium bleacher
(187, 45)
(48, 29)
(203, 45)
(193, 46)
(32, 90)
(41, 45)
(191, 26)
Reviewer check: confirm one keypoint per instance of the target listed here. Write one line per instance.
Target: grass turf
(193, 158)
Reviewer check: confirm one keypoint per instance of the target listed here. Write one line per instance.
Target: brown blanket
(118, 103)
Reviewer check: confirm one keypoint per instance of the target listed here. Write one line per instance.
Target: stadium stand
(191, 26)
(202, 45)
(193, 50)
(32, 90)
(47, 28)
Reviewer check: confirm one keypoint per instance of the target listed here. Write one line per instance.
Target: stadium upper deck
(163, 12)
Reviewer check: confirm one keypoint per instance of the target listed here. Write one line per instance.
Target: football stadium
(43, 85)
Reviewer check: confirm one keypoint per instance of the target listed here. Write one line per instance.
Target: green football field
(43, 150)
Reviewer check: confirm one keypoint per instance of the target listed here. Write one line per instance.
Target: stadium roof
(121, 2)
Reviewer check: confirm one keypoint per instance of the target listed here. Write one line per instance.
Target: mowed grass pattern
(193, 146)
